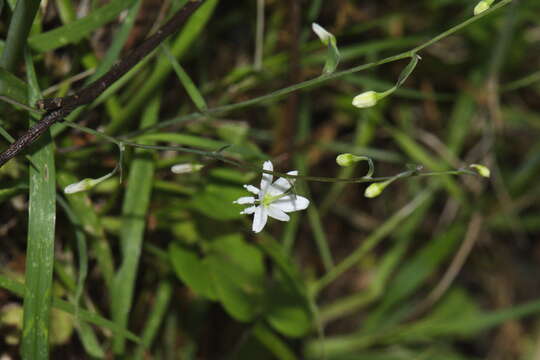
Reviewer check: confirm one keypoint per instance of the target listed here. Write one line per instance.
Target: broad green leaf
(190, 267)
(237, 271)
(288, 311)
(216, 201)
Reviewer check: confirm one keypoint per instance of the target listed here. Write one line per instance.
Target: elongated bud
(375, 189)
(482, 6)
(83, 185)
(88, 183)
(322, 33)
(347, 160)
(366, 99)
(332, 54)
(481, 170)
(186, 168)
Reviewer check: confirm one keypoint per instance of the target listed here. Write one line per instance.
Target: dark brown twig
(59, 108)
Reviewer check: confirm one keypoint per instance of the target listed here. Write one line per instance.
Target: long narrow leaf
(19, 28)
(134, 211)
(155, 318)
(86, 333)
(83, 208)
(75, 31)
(12, 87)
(181, 44)
(186, 81)
(40, 243)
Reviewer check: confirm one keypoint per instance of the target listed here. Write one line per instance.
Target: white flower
(273, 199)
(366, 99)
(186, 168)
(322, 33)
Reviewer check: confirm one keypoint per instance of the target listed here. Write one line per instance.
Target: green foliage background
(163, 266)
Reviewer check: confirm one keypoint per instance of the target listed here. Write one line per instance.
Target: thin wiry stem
(248, 166)
(68, 104)
(275, 95)
(259, 36)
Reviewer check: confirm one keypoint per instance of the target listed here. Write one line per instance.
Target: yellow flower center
(268, 199)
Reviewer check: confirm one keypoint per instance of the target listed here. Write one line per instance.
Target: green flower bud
(332, 54)
(366, 99)
(322, 33)
(346, 160)
(481, 7)
(481, 170)
(376, 189)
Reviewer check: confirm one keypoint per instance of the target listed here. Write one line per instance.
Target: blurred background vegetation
(162, 266)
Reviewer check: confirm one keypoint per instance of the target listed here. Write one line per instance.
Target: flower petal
(291, 202)
(248, 210)
(277, 213)
(282, 185)
(245, 200)
(259, 219)
(266, 179)
(252, 189)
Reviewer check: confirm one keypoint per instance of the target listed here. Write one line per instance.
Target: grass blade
(181, 44)
(40, 245)
(12, 87)
(155, 318)
(186, 81)
(134, 211)
(19, 28)
(373, 239)
(81, 249)
(85, 331)
(75, 31)
(83, 209)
